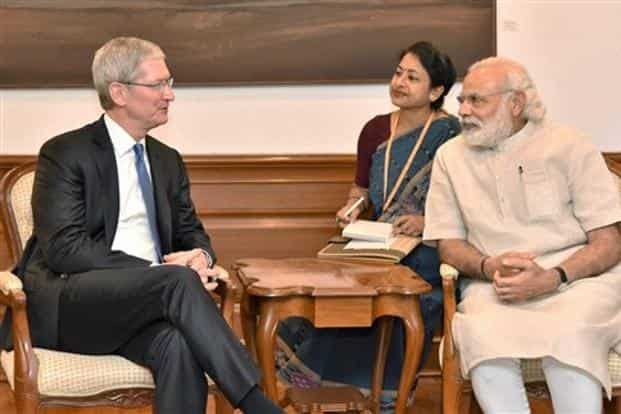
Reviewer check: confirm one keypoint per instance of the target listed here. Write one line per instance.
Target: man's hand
(525, 280)
(197, 261)
(409, 224)
(497, 264)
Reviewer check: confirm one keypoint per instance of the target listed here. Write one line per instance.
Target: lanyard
(421, 138)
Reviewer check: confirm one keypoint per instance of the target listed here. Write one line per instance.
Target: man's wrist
(208, 257)
(482, 263)
(563, 281)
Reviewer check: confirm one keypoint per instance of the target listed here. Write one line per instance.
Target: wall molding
(264, 205)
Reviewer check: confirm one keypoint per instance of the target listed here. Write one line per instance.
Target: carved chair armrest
(449, 276)
(26, 363)
(8, 283)
(226, 289)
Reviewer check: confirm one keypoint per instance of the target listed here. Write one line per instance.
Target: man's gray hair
(117, 61)
(517, 79)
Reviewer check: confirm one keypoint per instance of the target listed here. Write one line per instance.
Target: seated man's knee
(183, 276)
(489, 371)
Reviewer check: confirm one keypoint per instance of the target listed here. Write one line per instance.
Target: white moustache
(471, 122)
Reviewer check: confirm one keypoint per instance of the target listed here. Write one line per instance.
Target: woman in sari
(397, 149)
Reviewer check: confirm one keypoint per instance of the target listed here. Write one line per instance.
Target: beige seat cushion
(75, 375)
(531, 369)
(532, 372)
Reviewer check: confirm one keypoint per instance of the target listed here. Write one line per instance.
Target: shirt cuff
(210, 262)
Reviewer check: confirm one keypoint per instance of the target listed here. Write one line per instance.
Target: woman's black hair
(438, 65)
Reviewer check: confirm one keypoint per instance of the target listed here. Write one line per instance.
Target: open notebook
(369, 241)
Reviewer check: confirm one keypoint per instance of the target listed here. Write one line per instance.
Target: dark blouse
(376, 131)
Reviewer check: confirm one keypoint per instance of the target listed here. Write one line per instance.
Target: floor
(427, 401)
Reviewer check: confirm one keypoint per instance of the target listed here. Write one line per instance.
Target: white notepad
(373, 231)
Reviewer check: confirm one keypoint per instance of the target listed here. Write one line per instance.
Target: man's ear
(518, 103)
(118, 93)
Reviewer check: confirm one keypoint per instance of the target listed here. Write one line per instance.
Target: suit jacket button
(63, 276)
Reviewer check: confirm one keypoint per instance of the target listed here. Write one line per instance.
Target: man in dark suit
(119, 262)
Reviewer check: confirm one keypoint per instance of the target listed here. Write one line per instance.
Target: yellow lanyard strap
(421, 138)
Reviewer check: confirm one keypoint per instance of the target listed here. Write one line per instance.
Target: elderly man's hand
(197, 261)
(497, 263)
(526, 281)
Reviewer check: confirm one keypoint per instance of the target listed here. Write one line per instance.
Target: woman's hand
(342, 219)
(409, 224)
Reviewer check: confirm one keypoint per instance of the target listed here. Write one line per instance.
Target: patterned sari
(309, 357)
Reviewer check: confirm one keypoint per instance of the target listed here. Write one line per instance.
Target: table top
(317, 277)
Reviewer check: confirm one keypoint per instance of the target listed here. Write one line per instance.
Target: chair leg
(617, 404)
(453, 391)
(26, 404)
(223, 406)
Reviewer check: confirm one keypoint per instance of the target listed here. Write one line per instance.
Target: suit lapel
(159, 180)
(109, 179)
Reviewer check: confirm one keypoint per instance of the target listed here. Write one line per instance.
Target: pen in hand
(353, 206)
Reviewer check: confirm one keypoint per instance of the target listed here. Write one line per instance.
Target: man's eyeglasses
(158, 86)
(477, 100)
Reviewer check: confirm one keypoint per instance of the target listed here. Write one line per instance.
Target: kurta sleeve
(594, 189)
(443, 218)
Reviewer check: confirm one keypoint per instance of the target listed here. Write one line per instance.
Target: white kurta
(539, 191)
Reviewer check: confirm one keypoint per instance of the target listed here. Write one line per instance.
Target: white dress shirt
(133, 234)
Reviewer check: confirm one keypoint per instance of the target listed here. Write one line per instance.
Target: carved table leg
(413, 324)
(266, 337)
(248, 317)
(383, 345)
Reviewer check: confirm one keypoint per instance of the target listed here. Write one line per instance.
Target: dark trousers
(160, 317)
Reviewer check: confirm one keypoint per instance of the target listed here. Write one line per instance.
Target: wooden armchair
(42, 377)
(456, 390)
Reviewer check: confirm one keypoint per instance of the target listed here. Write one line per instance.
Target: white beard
(488, 134)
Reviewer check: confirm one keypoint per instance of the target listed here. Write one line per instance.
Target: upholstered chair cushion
(63, 374)
(20, 199)
(532, 372)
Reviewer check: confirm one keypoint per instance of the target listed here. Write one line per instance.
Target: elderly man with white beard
(529, 213)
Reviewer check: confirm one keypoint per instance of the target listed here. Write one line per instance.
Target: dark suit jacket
(76, 208)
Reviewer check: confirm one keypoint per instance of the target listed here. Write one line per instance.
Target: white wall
(570, 47)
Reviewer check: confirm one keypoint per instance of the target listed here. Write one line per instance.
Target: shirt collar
(122, 142)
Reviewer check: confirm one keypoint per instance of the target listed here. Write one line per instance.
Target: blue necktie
(147, 194)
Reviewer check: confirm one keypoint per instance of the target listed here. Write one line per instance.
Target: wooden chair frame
(28, 399)
(456, 391)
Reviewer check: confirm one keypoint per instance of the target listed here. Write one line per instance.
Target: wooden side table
(331, 294)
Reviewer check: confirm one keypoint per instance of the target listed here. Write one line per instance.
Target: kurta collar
(516, 139)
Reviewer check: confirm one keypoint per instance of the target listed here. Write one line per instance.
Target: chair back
(15, 207)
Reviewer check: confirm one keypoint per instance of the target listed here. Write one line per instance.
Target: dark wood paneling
(267, 206)
(613, 159)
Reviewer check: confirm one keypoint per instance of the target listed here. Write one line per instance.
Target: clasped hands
(516, 276)
(195, 259)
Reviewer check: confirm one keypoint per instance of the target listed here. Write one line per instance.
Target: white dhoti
(578, 326)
